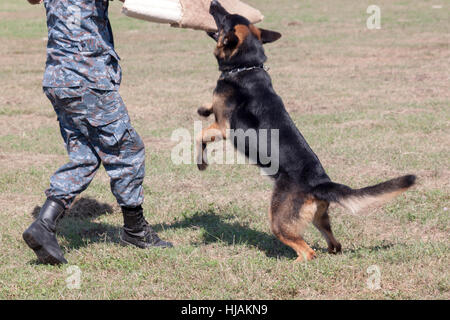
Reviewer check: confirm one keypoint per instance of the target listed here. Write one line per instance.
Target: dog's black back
(248, 101)
(254, 104)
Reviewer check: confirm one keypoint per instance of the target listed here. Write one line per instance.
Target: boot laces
(150, 234)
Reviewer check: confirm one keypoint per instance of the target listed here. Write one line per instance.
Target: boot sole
(126, 243)
(42, 254)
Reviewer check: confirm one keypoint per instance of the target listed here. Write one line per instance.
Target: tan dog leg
(210, 134)
(289, 215)
(322, 223)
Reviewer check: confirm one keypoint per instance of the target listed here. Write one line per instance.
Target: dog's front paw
(202, 166)
(204, 112)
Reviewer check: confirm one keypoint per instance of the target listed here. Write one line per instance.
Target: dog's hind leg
(213, 133)
(322, 223)
(289, 215)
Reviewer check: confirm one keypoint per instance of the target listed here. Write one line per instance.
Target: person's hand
(34, 1)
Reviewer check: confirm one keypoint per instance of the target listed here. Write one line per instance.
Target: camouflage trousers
(96, 130)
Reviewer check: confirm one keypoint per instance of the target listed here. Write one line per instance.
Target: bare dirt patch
(25, 124)
(23, 160)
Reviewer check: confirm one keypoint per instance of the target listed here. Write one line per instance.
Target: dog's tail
(357, 199)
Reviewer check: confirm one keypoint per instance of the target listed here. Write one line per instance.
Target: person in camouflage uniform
(81, 80)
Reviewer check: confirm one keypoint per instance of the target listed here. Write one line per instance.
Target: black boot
(137, 231)
(40, 235)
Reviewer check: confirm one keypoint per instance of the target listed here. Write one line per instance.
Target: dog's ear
(214, 35)
(268, 36)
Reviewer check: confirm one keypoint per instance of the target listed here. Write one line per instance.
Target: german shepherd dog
(244, 99)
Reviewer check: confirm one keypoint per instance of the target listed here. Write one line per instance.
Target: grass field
(373, 104)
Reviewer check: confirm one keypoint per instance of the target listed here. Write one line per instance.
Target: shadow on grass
(380, 247)
(216, 229)
(76, 230)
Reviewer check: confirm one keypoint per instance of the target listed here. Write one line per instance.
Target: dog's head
(239, 43)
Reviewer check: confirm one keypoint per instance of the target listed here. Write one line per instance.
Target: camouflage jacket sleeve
(80, 48)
